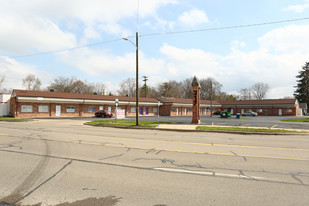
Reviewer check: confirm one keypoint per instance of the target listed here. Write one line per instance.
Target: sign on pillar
(196, 119)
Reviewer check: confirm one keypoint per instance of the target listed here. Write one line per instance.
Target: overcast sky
(237, 57)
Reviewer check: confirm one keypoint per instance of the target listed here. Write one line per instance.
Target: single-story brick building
(183, 107)
(265, 107)
(26, 103)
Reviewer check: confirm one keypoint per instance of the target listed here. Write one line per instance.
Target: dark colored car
(104, 113)
(217, 113)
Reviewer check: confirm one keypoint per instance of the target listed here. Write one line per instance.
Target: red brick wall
(270, 111)
(165, 110)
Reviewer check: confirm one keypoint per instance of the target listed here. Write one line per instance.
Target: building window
(189, 110)
(288, 110)
(133, 109)
(43, 108)
(259, 110)
(26, 108)
(173, 109)
(155, 109)
(109, 109)
(70, 108)
(91, 109)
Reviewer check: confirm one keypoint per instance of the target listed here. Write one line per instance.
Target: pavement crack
(111, 157)
(43, 183)
(153, 149)
(294, 176)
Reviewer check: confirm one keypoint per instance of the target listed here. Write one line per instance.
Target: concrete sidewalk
(178, 126)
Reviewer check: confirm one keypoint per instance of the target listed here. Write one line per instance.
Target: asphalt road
(63, 162)
(258, 121)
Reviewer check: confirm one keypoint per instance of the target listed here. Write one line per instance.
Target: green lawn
(126, 123)
(296, 120)
(11, 119)
(243, 129)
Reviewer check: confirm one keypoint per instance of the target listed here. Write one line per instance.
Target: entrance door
(58, 110)
(280, 112)
(147, 111)
(186, 111)
(232, 112)
(141, 110)
(177, 110)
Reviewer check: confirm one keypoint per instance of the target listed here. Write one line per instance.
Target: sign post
(116, 109)
(158, 112)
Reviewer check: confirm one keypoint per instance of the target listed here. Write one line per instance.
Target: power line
(168, 33)
(69, 49)
(225, 28)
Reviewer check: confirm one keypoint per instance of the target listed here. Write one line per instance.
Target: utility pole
(137, 93)
(145, 80)
(137, 107)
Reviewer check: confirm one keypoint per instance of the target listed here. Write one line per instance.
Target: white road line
(208, 173)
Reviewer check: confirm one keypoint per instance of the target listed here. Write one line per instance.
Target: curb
(190, 130)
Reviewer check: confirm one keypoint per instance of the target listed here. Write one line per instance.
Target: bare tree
(127, 88)
(98, 88)
(71, 85)
(259, 90)
(245, 94)
(170, 89)
(62, 84)
(210, 88)
(186, 86)
(31, 82)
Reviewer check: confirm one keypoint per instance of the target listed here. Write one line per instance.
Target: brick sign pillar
(196, 119)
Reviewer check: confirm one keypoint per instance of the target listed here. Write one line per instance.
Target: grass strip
(126, 123)
(11, 119)
(296, 120)
(245, 129)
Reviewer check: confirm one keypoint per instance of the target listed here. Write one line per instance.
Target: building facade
(25, 103)
(183, 107)
(265, 107)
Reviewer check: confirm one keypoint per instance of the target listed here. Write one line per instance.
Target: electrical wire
(228, 27)
(168, 33)
(69, 49)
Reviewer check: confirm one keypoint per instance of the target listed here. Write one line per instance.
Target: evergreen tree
(302, 89)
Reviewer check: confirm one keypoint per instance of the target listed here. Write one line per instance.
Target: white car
(249, 113)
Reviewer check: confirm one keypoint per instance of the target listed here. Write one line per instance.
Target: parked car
(249, 113)
(217, 113)
(104, 113)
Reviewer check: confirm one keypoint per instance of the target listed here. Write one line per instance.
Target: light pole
(136, 45)
(145, 80)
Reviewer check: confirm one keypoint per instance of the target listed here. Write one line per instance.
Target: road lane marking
(197, 143)
(172, 150)
(196, 152)
(208, 173)
(118, 145)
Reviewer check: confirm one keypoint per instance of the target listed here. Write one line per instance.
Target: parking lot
(258, 121)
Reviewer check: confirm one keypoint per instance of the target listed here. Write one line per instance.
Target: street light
(136, 45)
